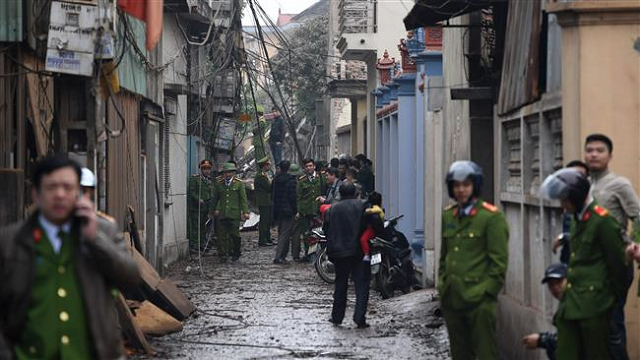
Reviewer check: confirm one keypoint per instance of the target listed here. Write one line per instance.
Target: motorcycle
(391, 263)
(317, 253)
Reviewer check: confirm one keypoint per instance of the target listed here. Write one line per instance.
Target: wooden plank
(133, 334)
(153, 321)
(11, 204)
(133, 228)
(149, 275)
(161, 292)
(170, 299)
(12, 207)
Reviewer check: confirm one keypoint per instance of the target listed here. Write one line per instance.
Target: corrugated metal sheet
(521, 66)
(124, 179)
(132, 72)
(11, 20)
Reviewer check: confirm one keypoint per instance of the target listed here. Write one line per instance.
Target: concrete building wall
(172, 46)
(340, 116)
(455, 112)
(528, 146)
(389, 16)
(175, 212)
(343, 140)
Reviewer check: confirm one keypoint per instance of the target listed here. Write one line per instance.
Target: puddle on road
(253, 309)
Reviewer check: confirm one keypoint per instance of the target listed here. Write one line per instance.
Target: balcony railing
(358, 16)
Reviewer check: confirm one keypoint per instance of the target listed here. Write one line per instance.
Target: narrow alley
(253, 309)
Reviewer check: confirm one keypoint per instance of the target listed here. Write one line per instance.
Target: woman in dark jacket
(284, 209)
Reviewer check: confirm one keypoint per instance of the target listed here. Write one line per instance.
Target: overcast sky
(271, 7)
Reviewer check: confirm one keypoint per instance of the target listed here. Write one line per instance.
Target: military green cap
(226, 167)
(264, 160)
(294, 169)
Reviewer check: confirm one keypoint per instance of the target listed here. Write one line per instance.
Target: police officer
(473, 263)
(199, 199)
(259, 143)
(596, 269)
(231, 207)
(309, 188)
(555, 276)
(262, 191)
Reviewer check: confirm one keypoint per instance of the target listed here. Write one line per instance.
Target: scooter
(317, 242)
(391, 263)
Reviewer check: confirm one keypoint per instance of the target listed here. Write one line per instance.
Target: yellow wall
(601, 93)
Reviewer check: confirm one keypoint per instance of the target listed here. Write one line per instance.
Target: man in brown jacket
(60, 270)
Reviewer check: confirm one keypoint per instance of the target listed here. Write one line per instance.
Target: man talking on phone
(58, 270)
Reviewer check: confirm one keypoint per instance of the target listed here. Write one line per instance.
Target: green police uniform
(473, 264)
(55, 325)
(595, 280)
(231, 204)
(259, 142)
(262, 191)
(306, 193)
(200, 188)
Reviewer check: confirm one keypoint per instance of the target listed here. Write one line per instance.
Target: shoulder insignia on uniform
(450, 207)
(196, 175)
(600, 210)
(302, 177)
(490, 207)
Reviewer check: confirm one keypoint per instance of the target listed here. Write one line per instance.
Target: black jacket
(343, 225)
(284, 196)
(277, 130)
(549, 341)
(367, 179)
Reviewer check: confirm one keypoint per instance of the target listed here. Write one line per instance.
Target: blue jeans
(276, 152)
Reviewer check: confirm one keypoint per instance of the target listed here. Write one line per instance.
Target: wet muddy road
(253, 309)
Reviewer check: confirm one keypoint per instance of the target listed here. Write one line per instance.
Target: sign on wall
(71, 44)
(225, 135)
(71, 41)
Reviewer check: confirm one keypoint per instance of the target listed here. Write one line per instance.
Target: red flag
(149, 11)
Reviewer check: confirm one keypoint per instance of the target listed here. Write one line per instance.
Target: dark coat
(102, 263)
(344, 224)
(277, 130)
(367, 179)
(284, 196)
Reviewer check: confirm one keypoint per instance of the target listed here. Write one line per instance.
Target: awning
(429, 12)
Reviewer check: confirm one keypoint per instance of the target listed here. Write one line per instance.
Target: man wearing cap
(555, 276)
(258, 141)
(309, 188)
(199, 199)
(473, 265)
(262, 191)
(596, 270)
(88, 190)
(231, 207)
